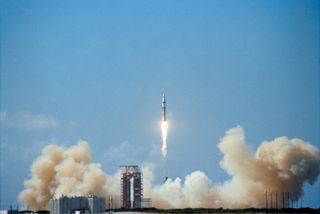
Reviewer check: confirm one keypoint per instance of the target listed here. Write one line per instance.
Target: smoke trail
(164, 132)
(281, 165)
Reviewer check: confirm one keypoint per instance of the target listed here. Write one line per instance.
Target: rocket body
(164, 108)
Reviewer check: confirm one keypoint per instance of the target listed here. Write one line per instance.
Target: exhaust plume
(164, 132)
(280, 165)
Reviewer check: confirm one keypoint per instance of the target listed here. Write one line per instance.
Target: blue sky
(96, 71)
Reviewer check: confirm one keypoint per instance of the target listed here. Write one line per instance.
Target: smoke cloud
(58, 171)
(280, 165)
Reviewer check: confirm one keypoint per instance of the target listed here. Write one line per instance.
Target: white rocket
(164, 117)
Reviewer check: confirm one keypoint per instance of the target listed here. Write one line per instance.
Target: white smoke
(58, 171)
(281, 165)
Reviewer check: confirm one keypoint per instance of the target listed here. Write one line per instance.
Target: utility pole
(208, 198)
(292, 203)
(277, 200)
(283, 200)
(266, 194)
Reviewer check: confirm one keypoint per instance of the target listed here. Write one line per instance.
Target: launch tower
(131, 187)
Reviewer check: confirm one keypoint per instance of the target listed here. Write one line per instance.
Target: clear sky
(96, 70)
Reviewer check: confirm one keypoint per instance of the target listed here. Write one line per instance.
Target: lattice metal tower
(131, 187)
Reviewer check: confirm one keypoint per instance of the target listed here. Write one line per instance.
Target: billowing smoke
(58, 171)
(195, 191)
(281, 165)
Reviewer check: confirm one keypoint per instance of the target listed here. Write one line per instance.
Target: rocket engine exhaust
(164, 131)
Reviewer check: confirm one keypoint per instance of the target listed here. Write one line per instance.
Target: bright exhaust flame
(164, 131)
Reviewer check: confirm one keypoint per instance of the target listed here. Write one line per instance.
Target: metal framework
(131, 187)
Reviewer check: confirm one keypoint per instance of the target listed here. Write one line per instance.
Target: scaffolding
(131, 187)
